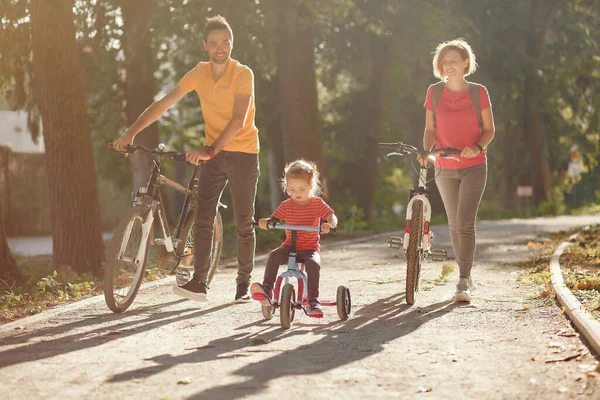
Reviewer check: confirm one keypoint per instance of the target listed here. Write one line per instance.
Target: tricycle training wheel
(268, 311)
(343, 302)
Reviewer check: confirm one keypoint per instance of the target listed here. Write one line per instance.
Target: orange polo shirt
(217, 99)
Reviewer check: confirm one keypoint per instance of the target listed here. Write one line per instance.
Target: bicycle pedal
(439, 255)
(395, 242)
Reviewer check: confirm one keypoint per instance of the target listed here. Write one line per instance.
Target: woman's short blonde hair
(463, 48)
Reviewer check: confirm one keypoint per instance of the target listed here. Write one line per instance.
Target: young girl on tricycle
(302, 214)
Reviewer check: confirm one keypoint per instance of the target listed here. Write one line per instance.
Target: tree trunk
(8, 266)
(300, 119)
(507, 173)
(73, 193)
(140, 85)
(541, 16)
(376, 104)
(276, 153)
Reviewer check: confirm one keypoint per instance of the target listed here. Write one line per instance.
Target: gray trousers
(241, 171)
(461, 191)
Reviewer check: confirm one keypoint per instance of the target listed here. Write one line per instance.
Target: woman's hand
(423, 160)
(470, 152)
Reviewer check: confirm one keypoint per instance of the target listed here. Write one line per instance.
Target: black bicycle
(417, 238)
(127, 254)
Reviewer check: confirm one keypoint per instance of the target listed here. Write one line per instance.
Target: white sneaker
(472, 286)
(463, 291)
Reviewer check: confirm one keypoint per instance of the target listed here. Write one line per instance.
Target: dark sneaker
(313, 308)
(261, 294)
(192, 290)
(241, 293)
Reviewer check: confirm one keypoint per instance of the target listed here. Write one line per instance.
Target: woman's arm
(489, 132)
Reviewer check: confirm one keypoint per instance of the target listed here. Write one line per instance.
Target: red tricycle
(285, 297)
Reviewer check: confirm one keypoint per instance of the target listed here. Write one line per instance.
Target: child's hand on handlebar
(262, 223)
(325, 228)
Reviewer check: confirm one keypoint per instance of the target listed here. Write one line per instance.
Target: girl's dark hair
(302, 169)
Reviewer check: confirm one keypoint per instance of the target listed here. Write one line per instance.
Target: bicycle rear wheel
(122, 273)
(216, 247)
(413, 252)
(185, 268)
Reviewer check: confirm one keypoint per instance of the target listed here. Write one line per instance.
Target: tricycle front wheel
(287, 312)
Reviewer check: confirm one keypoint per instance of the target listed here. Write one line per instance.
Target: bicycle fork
(146, 228)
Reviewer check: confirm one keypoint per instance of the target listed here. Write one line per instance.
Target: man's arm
(238, 116)
(151, 114)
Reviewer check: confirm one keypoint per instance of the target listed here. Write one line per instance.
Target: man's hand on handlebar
(195, 156)
(121, 143)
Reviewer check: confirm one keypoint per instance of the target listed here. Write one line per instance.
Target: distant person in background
(459, 114)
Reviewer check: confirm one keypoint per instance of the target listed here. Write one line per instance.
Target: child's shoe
(313, 308)
(261, 294)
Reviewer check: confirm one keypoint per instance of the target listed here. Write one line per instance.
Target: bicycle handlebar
(132, 148)
(276, 224)
(403, 149)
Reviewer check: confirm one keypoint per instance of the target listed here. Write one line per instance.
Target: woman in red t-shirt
(461, 182)
(303, 208)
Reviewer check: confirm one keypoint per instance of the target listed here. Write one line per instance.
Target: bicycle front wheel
(413, 252)
(126, 260)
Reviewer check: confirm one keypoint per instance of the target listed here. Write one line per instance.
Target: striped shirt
(309, 214)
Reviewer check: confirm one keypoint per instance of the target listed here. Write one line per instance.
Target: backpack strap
(474, 89)
(436, 92)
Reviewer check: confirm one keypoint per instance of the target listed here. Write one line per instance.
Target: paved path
(501, 346)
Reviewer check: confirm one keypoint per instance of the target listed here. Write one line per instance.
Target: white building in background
(14, 133)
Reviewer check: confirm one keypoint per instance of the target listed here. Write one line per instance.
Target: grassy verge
(580, 266)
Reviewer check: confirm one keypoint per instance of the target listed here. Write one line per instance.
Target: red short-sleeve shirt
(457, 125)
(308, 214)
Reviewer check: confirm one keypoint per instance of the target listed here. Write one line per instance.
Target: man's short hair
(216, 23)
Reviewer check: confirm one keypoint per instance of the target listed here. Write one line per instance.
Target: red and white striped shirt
(309, 214)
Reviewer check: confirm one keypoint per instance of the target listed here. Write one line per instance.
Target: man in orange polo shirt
(226, 91)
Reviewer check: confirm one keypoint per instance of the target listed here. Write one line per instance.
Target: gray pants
(461, 191)
(241, 171)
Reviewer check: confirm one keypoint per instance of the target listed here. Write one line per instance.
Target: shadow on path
(85, 340)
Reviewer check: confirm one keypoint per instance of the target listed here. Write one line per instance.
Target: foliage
(42, 293)
(345, 33)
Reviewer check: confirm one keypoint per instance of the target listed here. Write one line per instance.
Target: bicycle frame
(150, 195)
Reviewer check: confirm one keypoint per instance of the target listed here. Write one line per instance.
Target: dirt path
(490, 349)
